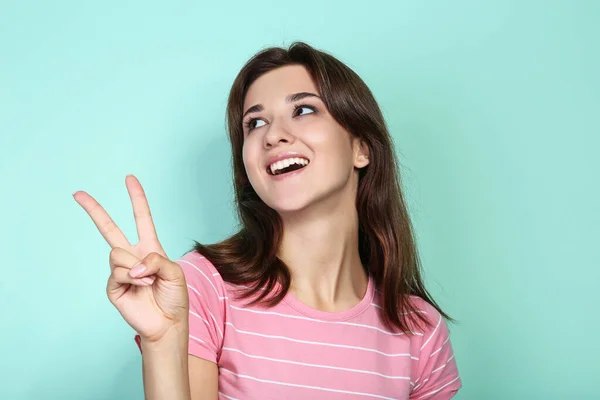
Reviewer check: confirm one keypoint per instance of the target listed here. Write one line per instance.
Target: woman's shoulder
(196, 259)
(434, 323)
(424, 307)
(199, 270)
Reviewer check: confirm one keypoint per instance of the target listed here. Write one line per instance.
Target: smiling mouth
(291, 168)
(287, 166)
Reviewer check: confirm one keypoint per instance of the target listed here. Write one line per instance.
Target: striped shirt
(292, 351)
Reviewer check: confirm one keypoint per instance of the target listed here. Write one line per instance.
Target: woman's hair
(386, 243)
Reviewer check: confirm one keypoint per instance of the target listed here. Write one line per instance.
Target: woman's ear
(361, 154)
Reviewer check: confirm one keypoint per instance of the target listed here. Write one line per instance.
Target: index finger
(107, 227)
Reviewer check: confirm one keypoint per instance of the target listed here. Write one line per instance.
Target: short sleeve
(207, 306)
(207, 296)
(436, 374)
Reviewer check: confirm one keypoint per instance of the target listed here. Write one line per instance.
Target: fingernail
(148, 280)
(137, 270)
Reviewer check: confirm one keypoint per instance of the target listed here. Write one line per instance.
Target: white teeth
(276, 166)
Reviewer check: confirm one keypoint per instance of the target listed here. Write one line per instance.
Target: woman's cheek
(248, 150)
(251, 159)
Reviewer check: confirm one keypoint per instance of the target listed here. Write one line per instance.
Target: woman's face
(294, 152)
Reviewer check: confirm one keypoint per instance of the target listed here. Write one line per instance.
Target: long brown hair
(386, 242)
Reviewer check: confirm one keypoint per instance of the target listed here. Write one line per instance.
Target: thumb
(156, 264)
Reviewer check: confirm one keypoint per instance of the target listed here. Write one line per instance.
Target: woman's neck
(320, 247)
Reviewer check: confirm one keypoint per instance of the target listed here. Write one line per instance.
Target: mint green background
(494, 108)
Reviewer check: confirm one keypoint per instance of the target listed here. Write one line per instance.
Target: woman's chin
(290, 205)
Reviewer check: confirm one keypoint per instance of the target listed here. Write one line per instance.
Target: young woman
(319, 295)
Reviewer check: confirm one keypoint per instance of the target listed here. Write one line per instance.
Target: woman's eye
(254, 123)
(257, 123)
(302, 110)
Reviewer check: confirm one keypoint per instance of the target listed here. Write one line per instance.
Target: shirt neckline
(308, 311)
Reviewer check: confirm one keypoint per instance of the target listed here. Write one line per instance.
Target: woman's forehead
(279, 83)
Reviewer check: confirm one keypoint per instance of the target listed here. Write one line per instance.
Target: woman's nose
(278, 133)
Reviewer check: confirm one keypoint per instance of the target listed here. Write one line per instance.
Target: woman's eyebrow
(253, 109)
(289, 99)
(299, 96)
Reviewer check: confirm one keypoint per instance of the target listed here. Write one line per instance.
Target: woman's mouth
(287, 165)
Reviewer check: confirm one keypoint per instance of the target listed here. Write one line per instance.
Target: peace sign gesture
(146, 287)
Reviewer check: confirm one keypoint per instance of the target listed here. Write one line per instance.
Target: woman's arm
(171, 374)
(165, 367)
(204, 379)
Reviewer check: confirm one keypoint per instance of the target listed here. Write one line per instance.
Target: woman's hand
(147, 288)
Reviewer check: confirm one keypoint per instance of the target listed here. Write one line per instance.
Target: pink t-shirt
(292, 351)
